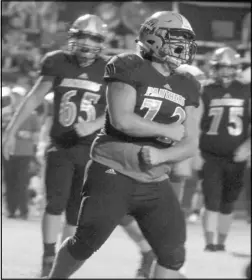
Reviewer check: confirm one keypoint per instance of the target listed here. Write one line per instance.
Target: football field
(119, 258)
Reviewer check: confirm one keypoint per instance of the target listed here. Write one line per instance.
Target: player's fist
(83, 128)
(9, 143)
(175, 132)
(150, 155)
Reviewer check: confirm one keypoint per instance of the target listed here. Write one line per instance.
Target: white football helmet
(167, 37)
(86, 38)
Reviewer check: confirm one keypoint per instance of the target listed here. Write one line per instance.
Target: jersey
(78, 92)
(225, 120)
(159, 99)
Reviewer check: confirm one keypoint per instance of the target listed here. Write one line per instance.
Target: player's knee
(212, 204)
(79, 249)
(55, 208)
(173, 259)
(85, 242)
(227, 208)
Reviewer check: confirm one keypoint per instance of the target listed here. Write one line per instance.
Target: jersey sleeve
(123, 68)
(51, 64)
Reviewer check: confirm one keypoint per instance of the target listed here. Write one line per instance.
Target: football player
(224, 144)
(149, 126)
(75, 77)
(178, 176)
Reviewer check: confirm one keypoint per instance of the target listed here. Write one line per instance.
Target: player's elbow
(121, 123)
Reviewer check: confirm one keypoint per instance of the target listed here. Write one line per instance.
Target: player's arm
(121, 101)
(43, 139)
(98, 123)
(188, 146)
(50, 68)
(243, 152)
(84, 128)
(44, 132)
(30, 103)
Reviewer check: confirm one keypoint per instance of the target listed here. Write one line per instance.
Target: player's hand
(150, 155)
(175, 132)
(9, 143)
(242, 153)
(84, 128)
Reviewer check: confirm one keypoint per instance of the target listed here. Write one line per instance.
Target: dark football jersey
(159, 98)
(226, 118)
(77, 91)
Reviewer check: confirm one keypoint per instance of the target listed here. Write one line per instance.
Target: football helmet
(167, 37)
(225, 65)
(86, 38)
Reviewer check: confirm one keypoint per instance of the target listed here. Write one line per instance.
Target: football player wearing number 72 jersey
(75, 77)
(149, 126)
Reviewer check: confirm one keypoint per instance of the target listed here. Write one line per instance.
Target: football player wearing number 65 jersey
(149, 126)
(75, 77)
(224, 144)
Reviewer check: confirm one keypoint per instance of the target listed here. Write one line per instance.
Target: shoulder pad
(51, 64)
(55, 54)
(124, 68)
(127, 60)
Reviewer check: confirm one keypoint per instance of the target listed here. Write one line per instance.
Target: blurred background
(30, 29)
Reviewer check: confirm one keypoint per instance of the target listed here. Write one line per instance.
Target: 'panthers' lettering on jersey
(159, 98)
(225, 121)
(77, 91)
